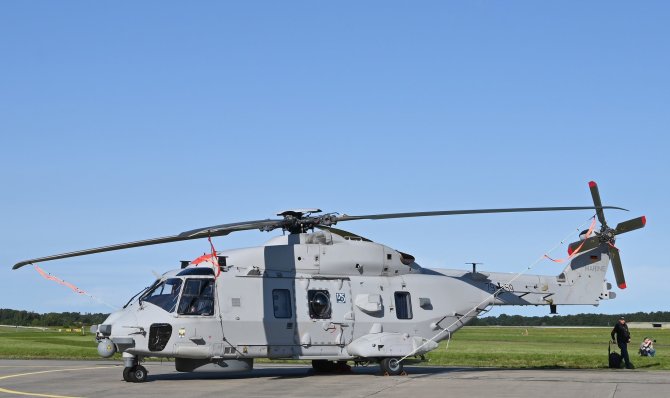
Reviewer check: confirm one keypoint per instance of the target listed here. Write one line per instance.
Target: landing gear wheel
(391, 366)
(342, 367)
(128, 375)
(139, 374)
(323, 366)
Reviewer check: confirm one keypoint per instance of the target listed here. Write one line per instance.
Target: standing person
(622, 340)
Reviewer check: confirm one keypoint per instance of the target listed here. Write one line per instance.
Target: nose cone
(124, 316)
(118, 333)
(119, 322)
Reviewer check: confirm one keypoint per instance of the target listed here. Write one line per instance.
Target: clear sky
(122, 121)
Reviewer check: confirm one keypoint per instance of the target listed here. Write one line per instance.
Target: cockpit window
(197, 298)
(164, 294)
(141, 292)
(197, 271)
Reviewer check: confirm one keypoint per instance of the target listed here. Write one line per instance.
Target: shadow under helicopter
(298, 372)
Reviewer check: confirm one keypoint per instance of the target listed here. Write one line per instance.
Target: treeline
(71, 319)
(570, 320)
(61, 319)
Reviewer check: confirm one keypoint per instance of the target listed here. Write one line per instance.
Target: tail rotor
(607, 235)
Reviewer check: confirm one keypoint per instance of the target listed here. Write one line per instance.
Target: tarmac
(66, 379)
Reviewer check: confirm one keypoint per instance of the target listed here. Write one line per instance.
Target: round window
(319, 305)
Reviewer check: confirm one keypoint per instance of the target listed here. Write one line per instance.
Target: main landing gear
(388, 366)
(391, 366)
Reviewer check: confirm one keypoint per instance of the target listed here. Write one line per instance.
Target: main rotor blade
(264, 225)
(343, 233)
(290, 224)
(147, 242)
(477, 211)
(220, 230)
(617, 267)
(595, 194)
(630, 225)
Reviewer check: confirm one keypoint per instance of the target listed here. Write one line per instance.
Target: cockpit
(164, 294)
(188, 294)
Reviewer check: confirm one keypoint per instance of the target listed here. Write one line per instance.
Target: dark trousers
(624, 353)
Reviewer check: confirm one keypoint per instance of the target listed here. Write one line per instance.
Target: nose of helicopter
(117, 333)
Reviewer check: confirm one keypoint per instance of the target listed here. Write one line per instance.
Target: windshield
(140, 292)
(164, 294)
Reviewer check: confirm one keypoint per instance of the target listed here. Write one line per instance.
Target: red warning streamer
(50, 277)
(212, 257)
(574, 253)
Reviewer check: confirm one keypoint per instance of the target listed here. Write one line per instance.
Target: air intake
(159, 335)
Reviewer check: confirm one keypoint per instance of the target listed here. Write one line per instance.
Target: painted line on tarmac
(34, 366)
(15, 392)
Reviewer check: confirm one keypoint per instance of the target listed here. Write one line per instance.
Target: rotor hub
(607, 234)
(295, 221)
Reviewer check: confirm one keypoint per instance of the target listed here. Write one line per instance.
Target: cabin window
(197, 298)
(319, 304)
(403, 305)
(164, 294)
(281, 302)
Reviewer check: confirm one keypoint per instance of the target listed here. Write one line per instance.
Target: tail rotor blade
(595, 194)
(617, 267)
(630, 225)
(588, 244)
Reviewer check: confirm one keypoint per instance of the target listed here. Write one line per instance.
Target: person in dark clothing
(622, 340)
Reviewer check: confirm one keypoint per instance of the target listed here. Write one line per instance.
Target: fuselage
(315, 296)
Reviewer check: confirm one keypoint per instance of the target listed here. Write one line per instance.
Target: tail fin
(585, 274)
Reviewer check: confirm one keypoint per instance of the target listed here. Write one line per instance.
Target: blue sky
(124, 121)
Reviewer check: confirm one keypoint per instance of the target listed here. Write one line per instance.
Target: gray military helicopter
(329, 296)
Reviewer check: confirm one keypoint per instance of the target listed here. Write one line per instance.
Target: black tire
(342, 367)
(391, 366)
(323, 366)
(128, 375)
(139, 374)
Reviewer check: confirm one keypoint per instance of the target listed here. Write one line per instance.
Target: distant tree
(570, 320)
(25, 318)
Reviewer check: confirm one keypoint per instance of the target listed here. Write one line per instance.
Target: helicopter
(327, 295)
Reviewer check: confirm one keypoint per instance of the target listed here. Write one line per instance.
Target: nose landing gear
(135, 374)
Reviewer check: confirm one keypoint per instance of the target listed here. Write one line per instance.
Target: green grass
(508, 347)
(37, 344)
(574, 348)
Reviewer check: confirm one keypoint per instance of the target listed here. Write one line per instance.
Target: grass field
(34, 344)
(509, 347)
(520, 347)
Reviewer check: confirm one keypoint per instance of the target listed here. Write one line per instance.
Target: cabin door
(279, 317)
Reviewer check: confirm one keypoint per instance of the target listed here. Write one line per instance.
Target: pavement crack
(616, 386)
(388, 387)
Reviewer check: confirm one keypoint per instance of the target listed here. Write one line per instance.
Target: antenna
(474, 266)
